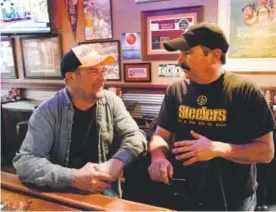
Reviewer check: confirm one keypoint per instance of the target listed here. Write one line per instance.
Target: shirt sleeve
(32, 163)
(259, 119)
(132, 140)
(167, 115)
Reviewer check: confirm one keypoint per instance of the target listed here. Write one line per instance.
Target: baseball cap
(204, 34)
(81, 57)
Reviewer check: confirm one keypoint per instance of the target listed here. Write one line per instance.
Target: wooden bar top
(76, 200)
(32, 203)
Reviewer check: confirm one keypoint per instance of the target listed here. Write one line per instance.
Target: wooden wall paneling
(55, 14)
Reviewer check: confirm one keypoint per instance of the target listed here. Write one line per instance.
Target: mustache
(185, 66)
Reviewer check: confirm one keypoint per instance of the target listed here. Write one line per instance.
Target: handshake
(94, 177)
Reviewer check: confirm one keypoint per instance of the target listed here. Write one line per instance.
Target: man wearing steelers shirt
(213, 127)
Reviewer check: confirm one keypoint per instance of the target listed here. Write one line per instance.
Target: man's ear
(69, 76)
(217, 53)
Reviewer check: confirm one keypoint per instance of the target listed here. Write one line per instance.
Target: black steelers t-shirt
(231, 110)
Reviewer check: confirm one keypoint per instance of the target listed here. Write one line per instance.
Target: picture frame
(105, 48)
(98, 19)
(137, 72)
(41, 56)
(159, 26)
(243, 64)
(8, 59)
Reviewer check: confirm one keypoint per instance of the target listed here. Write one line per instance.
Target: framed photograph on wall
(137, 72)
(105, 48)
(97, 19)
(251, 32)
(7, 59)
(159, 26)
(41, 57)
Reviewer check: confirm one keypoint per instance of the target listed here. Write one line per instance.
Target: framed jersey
(158, 26)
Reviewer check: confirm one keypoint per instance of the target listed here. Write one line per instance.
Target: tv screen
(24, 16)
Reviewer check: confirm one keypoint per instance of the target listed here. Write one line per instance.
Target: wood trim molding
(271, 88)
(46, 84)
(255, 72)
(58, 84)
(9, 83)
(136, 85)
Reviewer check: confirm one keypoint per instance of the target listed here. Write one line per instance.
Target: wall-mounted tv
(24, 16)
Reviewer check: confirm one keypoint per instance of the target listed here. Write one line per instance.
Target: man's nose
(181, 58)
(101, 75)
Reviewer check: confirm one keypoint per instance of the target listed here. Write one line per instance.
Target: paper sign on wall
(131, 45)
(170, 70)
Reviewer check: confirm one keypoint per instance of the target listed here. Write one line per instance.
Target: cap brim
(176, 44)
(107, 60)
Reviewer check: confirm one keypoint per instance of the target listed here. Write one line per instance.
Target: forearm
(41, 172)
(132, 140)
(257, 152)
(113, 166)
(132, 145)
(158, 147)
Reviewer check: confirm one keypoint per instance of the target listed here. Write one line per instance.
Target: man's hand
(89, 178)
(200, 149)
(160, 170)
(114, 167)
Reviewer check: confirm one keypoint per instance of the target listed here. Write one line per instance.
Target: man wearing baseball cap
(71, 137)
(221, 125)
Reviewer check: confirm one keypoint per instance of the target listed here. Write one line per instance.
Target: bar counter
(30, 203)
(13, 189)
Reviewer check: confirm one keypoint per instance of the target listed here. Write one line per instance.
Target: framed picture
(137, 72)
(97, 19)
(131, 45)
(105, 48)
(144, 1)
(251, 32)
(159, 26)
(41, 57)
(170, 70)
(7, 60)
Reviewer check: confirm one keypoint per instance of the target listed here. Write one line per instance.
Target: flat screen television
(24, 17)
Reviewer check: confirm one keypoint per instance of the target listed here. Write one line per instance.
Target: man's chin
(99, 95)
(187, 74)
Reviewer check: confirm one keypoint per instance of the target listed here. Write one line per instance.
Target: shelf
(136, 85)
(58, 84)
(39, 84)
(42, 84)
